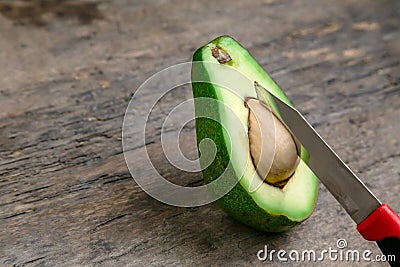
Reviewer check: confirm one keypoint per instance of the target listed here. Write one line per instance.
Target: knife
(375, 221)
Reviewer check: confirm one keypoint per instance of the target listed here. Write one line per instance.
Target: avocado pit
(269, 137)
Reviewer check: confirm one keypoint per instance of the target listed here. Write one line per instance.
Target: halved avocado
(267, 208)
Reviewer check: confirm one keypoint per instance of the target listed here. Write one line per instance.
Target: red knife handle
(380, 224)
(383, 226)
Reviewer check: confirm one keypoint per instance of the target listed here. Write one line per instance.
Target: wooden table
(68, 70)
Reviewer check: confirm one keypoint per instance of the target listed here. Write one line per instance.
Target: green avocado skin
(237, 203)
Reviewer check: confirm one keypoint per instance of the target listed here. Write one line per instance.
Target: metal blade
(345, 186)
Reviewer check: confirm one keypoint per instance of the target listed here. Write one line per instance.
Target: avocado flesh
(267, 207)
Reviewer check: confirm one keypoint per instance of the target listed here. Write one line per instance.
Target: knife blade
(339, 179)
(375, 221)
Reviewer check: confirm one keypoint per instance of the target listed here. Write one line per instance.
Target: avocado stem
(220, 55)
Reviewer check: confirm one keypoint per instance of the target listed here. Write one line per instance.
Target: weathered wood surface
(69, 68)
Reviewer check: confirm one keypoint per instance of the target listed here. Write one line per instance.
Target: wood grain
(69, 70)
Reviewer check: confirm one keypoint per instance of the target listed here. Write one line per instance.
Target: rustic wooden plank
(69, 68)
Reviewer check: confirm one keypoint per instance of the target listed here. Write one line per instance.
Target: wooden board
(69, 68)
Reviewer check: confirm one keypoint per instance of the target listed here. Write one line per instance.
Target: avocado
(273, 205)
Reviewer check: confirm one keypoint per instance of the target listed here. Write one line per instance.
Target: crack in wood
(34, 190)
(14, 215)
(33, 260)
(103, 224)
